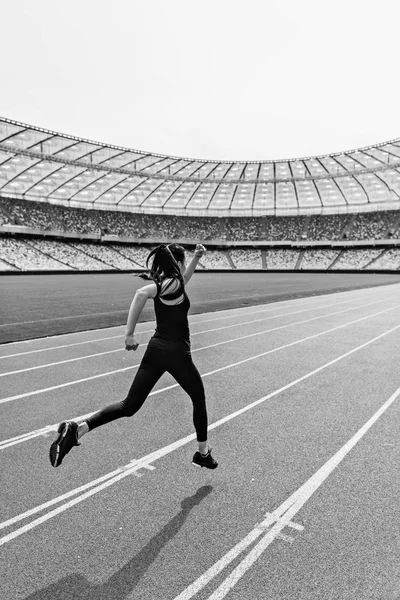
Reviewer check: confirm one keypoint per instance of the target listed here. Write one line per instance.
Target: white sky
(217, 79)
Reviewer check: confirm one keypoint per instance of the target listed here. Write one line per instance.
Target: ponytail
(165, 261)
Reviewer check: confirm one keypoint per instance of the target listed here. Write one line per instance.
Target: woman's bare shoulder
(150, 290)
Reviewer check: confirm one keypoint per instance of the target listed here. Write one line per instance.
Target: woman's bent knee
(128, 409)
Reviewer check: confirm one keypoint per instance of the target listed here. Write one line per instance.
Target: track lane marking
(113, 337)
(111, 312)
(75, 359)
(281, 517)
(122, 472)
(49, 428)
(62, 385)
(242, 308)
(125, 310)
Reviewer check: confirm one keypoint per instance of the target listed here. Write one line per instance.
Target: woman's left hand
(131, 343)
(200, 250)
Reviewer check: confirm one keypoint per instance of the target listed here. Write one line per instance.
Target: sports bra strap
(171, 295)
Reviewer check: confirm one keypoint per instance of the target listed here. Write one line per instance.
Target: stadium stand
(73, 204)
(52, 248)
(246, 259)
(136, 255)
(33, 253)
(47, 218)
(283, 228)
(244, 229)
(77, 259)
(354, 258)
(5, 266)
(215, 259)
(326, 227)
(281, 258)
(373, 226)
(389, 259)
(105, 254)
(25, 257)
(318, 259)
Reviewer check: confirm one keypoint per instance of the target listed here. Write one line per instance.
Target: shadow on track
(124, 581)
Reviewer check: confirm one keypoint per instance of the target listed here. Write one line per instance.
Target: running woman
(168, 350)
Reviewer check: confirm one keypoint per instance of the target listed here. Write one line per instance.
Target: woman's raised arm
(190, 269)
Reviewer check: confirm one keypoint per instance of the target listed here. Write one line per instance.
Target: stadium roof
(37, 164)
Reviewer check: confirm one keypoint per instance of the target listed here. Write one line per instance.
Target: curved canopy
(52, 167)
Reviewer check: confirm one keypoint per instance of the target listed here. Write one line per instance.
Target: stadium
(220, 422)
(69, 204)
(292, 321)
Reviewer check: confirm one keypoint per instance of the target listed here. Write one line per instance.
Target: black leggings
(154, 363)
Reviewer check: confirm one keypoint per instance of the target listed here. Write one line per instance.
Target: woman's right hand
(200, 250)
(131, 343)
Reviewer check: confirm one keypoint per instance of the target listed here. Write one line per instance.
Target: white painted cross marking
(290, 524)
(97, 485)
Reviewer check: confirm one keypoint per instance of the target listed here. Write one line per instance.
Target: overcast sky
(217, 79)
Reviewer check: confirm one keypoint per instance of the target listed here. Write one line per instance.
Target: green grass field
(43, 305)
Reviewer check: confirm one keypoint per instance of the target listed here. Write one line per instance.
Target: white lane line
(230, 341)
(48, 320)
(70, 360)
(286, 511)
(111, 337)
(192, 323)
(126, 310)
(118, 336)
(60, 362)
(237, 314)
(115, 476)
(49, 428)
(45, 431)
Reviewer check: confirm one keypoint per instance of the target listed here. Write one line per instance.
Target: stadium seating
(25, 257)
(48, 217)
(66, 253)
(318, 259)
(246, 259)
(373, 226)
(243, 229)
(356, 258)
(326, 227)
(215, 259)
(281, 258)
(390, 259)
(35, 253)
(108, 256)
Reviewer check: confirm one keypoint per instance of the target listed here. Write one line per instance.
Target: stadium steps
(6, 214)
(336, 260)
(299, 260)
(263, 259)
(346, 231)
(392, 229)
(304, 231)
(100, 260)
(229, 258)
(121, 253)
(3, 261)
(376, 258)
(29, 243)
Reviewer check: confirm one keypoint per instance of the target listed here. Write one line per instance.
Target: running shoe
(67, 438)
(204, 460)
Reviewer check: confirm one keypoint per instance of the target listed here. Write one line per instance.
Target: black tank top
(172, 329)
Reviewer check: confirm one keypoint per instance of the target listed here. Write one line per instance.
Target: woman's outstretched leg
(149, 372)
